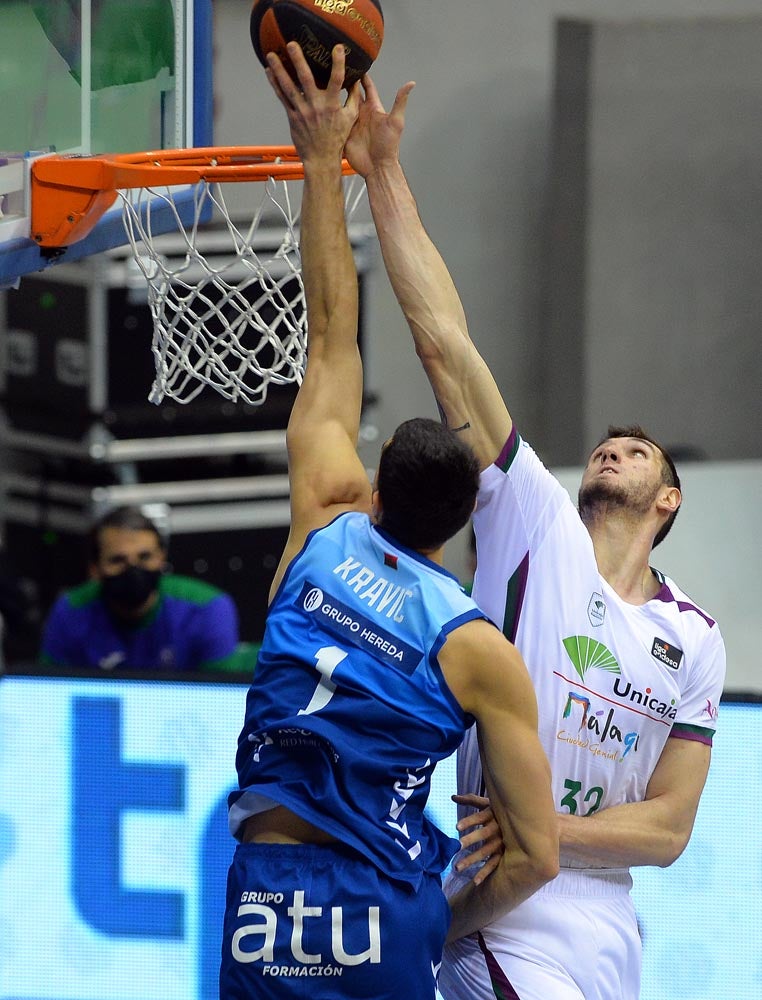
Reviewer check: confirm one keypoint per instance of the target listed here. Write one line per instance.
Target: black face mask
(131, 588)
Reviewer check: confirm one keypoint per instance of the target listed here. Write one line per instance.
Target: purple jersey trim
(666, 595)
(500, 983)
(514, 603)
(505, 459)
(698, 734)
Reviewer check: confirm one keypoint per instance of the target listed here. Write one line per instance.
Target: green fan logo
(585, 653)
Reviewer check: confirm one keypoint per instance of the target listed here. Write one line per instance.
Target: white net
(232, 318)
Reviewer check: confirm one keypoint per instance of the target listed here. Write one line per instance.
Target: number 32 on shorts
(574, 798)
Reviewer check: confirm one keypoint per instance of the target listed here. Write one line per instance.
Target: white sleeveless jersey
(613, 680)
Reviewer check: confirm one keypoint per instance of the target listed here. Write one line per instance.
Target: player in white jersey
(627, 669)
(338, 869)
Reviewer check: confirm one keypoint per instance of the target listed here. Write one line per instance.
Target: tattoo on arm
(443, 419)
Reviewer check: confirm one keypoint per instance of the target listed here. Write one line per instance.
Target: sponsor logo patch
(596, 610)
(670, 656)
(350, 625)
(586, 653)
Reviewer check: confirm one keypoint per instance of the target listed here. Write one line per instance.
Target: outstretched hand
(480, 836)
(375, 136)
(320, 120)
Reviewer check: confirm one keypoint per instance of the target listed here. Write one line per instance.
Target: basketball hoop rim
(70, 192)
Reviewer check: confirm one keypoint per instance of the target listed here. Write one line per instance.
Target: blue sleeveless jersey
(349, 712)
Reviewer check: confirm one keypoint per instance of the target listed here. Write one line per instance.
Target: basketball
(318, 26)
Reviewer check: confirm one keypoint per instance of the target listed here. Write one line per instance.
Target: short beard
(602, 497)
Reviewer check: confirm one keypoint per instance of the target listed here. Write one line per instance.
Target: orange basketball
(318, 26)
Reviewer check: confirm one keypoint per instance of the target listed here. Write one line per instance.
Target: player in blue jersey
(628, 670)
(373, 664)
(133, 615)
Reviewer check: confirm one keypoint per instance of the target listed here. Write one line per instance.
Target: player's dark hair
(427, 479)
(669, 472)
(126, 518)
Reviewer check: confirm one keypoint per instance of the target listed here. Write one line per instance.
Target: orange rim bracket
(69, 194)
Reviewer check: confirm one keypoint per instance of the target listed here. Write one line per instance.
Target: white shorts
(577, 938)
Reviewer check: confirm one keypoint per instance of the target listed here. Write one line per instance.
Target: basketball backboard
(94, 76)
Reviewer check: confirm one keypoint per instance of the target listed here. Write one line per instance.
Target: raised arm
(326, 475)
(464, 388)
(488, 677)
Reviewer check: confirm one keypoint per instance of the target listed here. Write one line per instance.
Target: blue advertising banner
(114, 847)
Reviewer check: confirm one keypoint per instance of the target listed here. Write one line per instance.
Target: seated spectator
(133, 615)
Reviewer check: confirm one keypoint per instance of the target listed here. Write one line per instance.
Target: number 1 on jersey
(328, 658)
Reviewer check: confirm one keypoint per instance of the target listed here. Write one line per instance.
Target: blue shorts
(320, 922)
